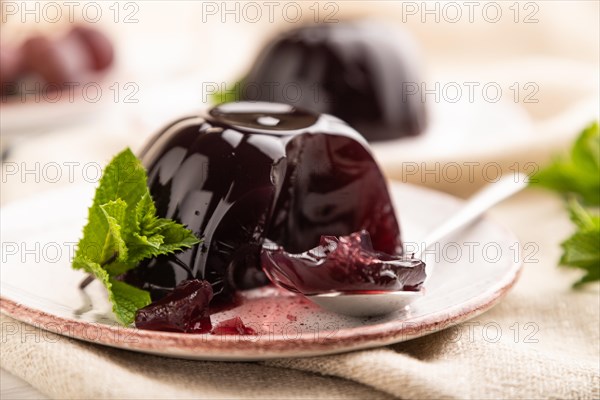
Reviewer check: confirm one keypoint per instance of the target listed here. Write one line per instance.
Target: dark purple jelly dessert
(185, 309)
(344, 264)
(233, 326)
(247, 172)
(366, 73)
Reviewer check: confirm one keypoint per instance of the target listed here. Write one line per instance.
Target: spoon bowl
(366, 304)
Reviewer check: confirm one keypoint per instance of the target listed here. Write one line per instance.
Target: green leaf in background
(226, 96)
(578, 176)
(577, 173)
(582, 249)
(123, 230)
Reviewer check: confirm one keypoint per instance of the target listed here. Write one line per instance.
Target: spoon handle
(482, 201)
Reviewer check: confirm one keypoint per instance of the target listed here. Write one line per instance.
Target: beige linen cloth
(548, 344)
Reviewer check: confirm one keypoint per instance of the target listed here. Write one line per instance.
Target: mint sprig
(122, 230)
(577, 176)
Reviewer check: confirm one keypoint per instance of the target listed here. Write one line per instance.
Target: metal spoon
(358, 304)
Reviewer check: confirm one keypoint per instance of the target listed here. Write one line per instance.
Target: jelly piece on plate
(344, 264)
(233, 326)
(366, 73)
(253, 171)
(185, 309)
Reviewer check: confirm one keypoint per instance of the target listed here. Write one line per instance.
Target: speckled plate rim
(253, 348)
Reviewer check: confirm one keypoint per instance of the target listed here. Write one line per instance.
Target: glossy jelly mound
(344, 264)
(247, 172)
(364, 72)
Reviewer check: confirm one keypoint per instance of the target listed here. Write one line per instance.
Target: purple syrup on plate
(185, 309)
(247, 172)
(233, 326)
(344, 264)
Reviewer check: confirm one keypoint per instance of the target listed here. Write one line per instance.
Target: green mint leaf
(156, 236)
(127, 300)
(582, 249)
(579, 172)
(115, 246)
(176, 237)
(147, 222)
(123, 178)
(144, 212)
(169, 238)
(122, 230)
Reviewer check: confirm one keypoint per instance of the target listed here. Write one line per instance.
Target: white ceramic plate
(29, 114)
(38, 287)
